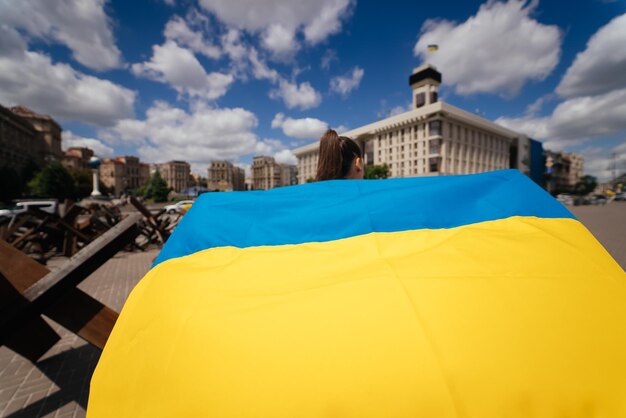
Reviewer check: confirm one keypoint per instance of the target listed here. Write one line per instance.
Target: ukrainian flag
(432, 48)
(461, 296)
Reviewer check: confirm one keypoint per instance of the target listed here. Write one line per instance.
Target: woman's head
(339, 158)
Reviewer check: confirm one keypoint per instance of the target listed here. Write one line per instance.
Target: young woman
(339, 158)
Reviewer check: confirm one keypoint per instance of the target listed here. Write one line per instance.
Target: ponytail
(336, 154)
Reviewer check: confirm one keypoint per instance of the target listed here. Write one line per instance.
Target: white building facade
(433, 138)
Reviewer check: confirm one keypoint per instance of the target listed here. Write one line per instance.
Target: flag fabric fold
(477, 296)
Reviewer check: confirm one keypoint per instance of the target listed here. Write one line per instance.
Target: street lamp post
(94, 163)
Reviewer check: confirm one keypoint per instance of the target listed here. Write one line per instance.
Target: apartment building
(28, 139)
(268, 174)
(77, 158)
(124, 174)
(224, 176)
(176, 174)
(563, 170)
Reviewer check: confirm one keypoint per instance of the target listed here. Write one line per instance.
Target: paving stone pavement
(608, 224)
(58, 386)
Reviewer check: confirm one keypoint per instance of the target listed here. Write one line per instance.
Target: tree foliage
(156, 188)
(53, 181)
(12, 184)
(374, 171)
(585, 185)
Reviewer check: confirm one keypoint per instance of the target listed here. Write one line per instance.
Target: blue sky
(209, 79)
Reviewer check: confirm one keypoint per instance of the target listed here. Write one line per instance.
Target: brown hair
(336, 156)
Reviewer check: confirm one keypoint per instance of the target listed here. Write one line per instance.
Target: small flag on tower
(433, 48)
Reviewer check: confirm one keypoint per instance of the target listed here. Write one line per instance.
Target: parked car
(178, 206)
(49, 206)
(598, 199)
(620, 197)
(566, 199)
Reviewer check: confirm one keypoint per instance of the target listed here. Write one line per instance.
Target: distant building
(195, 180)
(49, 131)
(563, 170)
(265, 173)
(19, 142)
(77, 158)
(28, 139)
(434, 138)
(249, 183)
(176, 174)
(124, 174)
(224, 176)
(288, 175)
(577, 163)
(268, 174)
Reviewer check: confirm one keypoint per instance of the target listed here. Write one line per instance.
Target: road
(608, 224)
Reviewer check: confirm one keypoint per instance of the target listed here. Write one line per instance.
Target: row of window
(420, 98)
(455, 132)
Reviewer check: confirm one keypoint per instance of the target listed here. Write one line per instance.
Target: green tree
(156, 188)
(53, 181)
(374, 171)
(83, 183)
(12, 184)
(585, 185)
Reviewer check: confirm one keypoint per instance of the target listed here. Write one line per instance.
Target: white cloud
(595, 88)
(496, 51)
(302, 96)
(285, 157)
(300, 128)
(280, 40)
(328, 20)
(345, 84)
(246, 60)
(233, 46)
(198, 136)
(329, 56)
(398, 110)
(260, 70)
(341, 129)
(599, 161)
(535, 127)
(576, 120)
(99, 148)
(81, 25)
(179, 31)
(179, 68)
(601, 67)
(590, 116)
(32, 79)
(316, 19)
(535, 107)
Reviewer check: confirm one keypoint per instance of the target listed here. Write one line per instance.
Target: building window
(433, 146)
(434, 127)
(420, 100)
(433, 164)
(433, 97)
